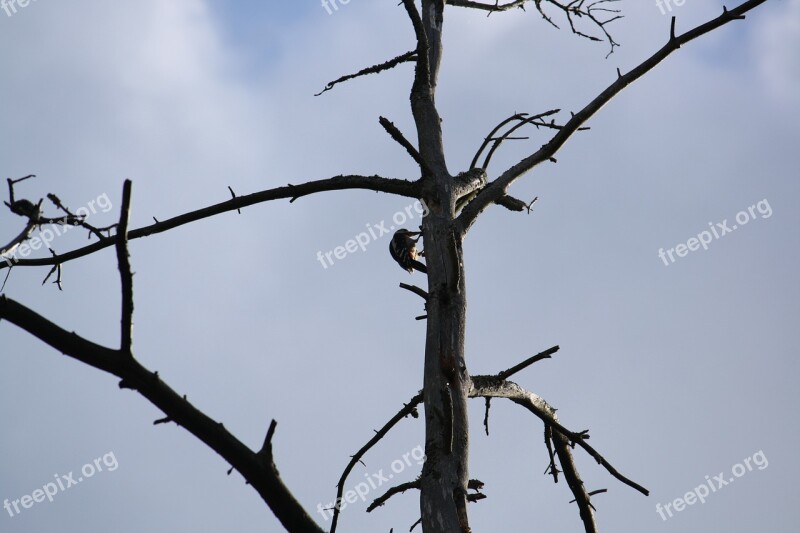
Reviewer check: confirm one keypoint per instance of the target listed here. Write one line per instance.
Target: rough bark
(443, 502)
(446, 385)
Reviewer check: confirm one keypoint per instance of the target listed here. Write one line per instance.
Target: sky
(680, 360)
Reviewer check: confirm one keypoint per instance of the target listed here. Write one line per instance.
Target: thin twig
(126, 276)
(522, 121)
(592, 493)
(422, 293)
(57, 269)
(552, 468)
(547, 354)
(233, 195)
(574, 481)
(398, 136)
(399, 489)
(574, 9)
(408, 409)
(486, 415)
(266, 448)
(403, 58)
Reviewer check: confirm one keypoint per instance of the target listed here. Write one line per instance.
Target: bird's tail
(419, 266)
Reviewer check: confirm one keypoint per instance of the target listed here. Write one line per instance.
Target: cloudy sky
(681, 369)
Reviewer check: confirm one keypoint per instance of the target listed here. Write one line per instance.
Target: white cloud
(145, 89)
(150, 89)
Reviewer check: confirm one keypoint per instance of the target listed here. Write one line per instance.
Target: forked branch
(499, 186)
(562, 438)
(494, 387)
(594, 11)
(256, 467)
(260, 472)
(26, 241)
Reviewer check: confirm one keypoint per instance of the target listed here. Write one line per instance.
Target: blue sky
(679, 371)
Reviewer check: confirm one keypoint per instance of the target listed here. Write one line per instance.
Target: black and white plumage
(403, 249)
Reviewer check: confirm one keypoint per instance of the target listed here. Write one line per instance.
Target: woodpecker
(403, 248)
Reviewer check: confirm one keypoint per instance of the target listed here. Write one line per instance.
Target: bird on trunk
(403, 249)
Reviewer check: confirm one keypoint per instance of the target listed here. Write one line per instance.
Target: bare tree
(454, 202)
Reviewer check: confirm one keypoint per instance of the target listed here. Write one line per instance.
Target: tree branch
(266, 448)
(491, 137)
(126, 276)
(33, 212)
(422, 293)
(515, 204)
(498, 187)
(494, 387)
(403, 58)
(505, 374)
(496, 8)
(562, 438)
(398, 489)
(423, 74)
(574, 481)
(261, 474)
(573, 9)
(398, 187)
(423, 90)
(23, 208)
(521, 122)
(552, 468)
(408, 409)
(397, 135)
(547, 354)
(7, 250)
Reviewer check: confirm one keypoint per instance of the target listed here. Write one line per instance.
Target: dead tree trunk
(446, 381)
(447, 384)
(445, 474)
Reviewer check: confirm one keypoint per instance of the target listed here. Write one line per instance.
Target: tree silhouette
(454, 203)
